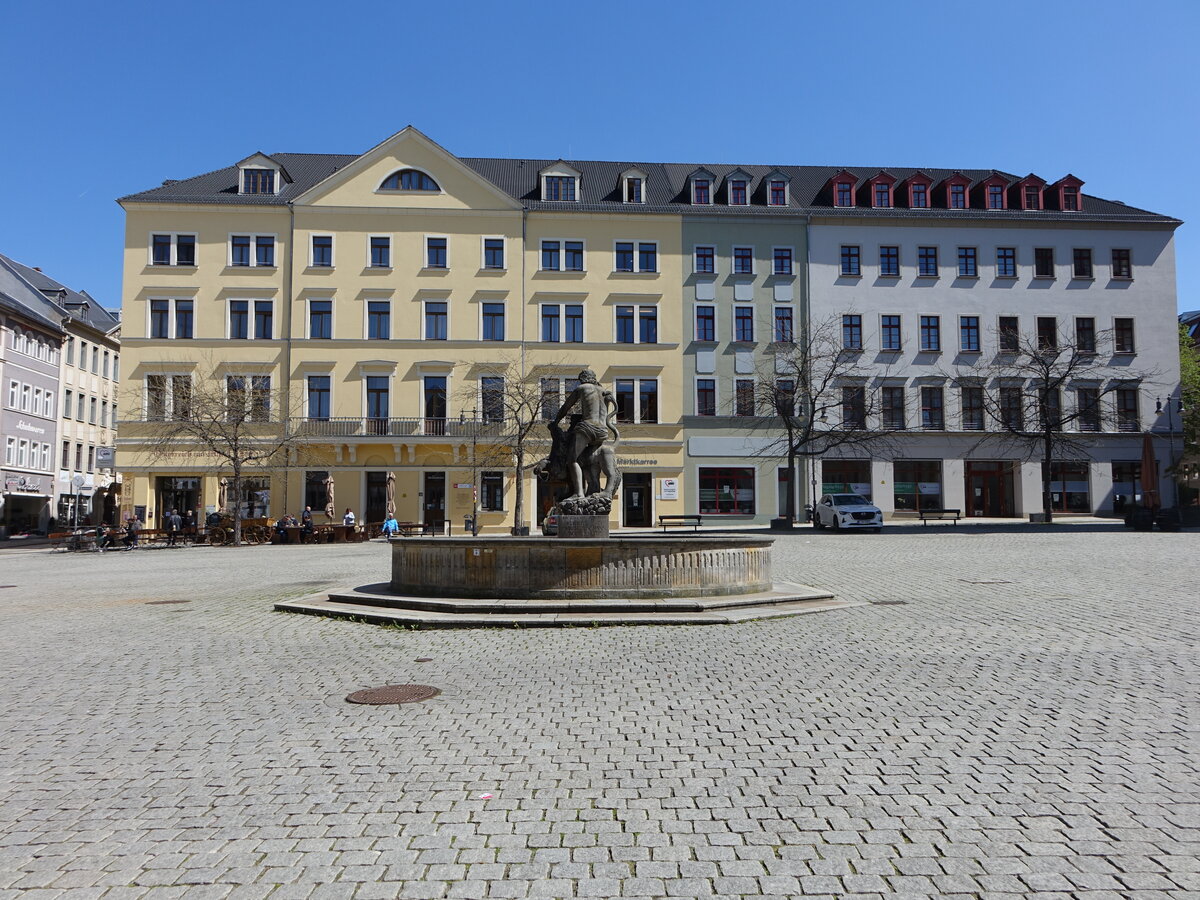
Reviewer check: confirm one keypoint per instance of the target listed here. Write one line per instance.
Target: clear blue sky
(106, 99)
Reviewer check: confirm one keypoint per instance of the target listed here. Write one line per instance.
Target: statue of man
(588, 430)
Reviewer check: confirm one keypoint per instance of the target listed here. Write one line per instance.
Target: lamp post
(1159, 405)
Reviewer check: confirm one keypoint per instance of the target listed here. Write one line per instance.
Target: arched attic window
(409, 180)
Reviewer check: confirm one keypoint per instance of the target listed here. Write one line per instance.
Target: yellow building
(390, 303)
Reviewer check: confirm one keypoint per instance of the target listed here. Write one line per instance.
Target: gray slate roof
(666, 189)
(18, 296)
(79, 305)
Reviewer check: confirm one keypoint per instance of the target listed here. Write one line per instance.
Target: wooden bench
(692, 520)
(939, 514)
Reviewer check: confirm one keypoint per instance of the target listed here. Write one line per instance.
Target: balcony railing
(390, 427)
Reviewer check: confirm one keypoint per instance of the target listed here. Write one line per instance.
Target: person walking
(174, 527)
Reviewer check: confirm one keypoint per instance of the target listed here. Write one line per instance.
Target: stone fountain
(582, 576)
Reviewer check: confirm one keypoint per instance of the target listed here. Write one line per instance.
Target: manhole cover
(889, 603)
(165, 602)
(393, 693)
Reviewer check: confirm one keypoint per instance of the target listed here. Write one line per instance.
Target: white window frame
(696, 379)
(250, 301)
(637, 258)
(711, 179)
(753, 261)
(171, 317)
(637, 395)
(382, 190)
(391, 250)
(23, 453)
(449, 315)
(170, 376)
(327, 373)
(14, 394)
(791, 256)
(733, 413)
(366, 317)
(10, 451)
(695, 257)
(425, 253)
(637, 322)
(332, 249)
(174, 236)
(483, 239)
(1133, 321)
(729, 180)
(504, 304)
(733, 311)
(625, 179)
(26, 397)
(308, 302)
(558, 173)
(254, 236)
(710, 304)
(787, 191)
(795, 324)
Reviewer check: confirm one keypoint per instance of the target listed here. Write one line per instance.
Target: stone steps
(371, 604)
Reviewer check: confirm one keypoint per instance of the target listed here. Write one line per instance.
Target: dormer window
(1070, 199)
(1028, 192)
(1067, 189)
(845, 193)
(880, 190)
(777, 192)
(995, 196)
(1033, 197)
(258, 181)
(737, 192)
(410, 180)
(918, 196)
(633, 190)
(958, 197)
(701, 192)
(559, 187)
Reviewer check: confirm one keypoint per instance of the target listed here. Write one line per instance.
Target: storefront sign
(630, 461)
(22, 484)
(930, 487)
(464, 487)
(22, 425)
(668, 489)
(106, 457)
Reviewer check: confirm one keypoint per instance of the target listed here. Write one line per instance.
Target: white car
(847, 511)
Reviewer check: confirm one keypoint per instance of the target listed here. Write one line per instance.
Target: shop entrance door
(434, 500)
(635, 487)
(989, 489)
(376, 496)
(180, 494)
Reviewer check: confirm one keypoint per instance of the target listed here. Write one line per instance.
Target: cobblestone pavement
(1022, 723)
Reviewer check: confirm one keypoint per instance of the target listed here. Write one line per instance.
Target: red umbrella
(1149, 474)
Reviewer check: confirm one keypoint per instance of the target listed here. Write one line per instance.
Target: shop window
(1069, 487)
(846, 476)
(726, 491)
(917, 485)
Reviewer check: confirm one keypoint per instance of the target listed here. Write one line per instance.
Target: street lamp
(1159, 405)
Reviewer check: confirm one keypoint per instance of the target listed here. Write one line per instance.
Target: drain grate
(393, 693)
(889, 602)
(165, 602)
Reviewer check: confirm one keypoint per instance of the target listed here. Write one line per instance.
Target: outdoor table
(342, 533)
(293, 535)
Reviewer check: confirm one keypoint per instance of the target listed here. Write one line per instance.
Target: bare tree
(236, 422)
(817, 396)
(1044, 395)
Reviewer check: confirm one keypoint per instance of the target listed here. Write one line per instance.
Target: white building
(926, 269)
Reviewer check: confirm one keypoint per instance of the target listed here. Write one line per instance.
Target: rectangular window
(1087, 405)
(782, 261)
(706, 323)
(1122, 264)
(160, 251)
(995, 196)
(264, 251)
(70, 351)
(551, 398)
(239, 319)
(968, 262)
(968, 334)
(1085, 334)
(785, 330)
(624, 324)
(436, 315)
(322, 251)
(1081, 262)
(1128, 418)
(917, 484)
(777, 194)
(648, 400)
(318, 397)
(704, 260)
(1006, 262)
(893, 408)
(263, 316)
(493, 321)
(851, 260)
(183, 319)
(743, 260)
(854, 407)
(1123, 336)
(737, 192)
(79, 457)
(92, 411)
(104, 414)
(1043, 262)
(185, 250)
(623, 391)
(927, 261)
(700, 192)
(435, 253)
(743, 323)
(260, 398)
(1050, 409)
(972, 409)
(1010, 334)
(95, 359)
(65, 462)
(160, 319)
(1033, 197)
(633, 190)
(1047, 333)
(381, 252)
(743, 397)
(493, 253)
(784, 400)
(890, 332)
(573, 323)
(845, 193)
(258, 181)
(1012, 411)
(931, 333)
(491, 491)
(883, 195)
(933, 414)
(726, 491)
(573, 256)
(320, 319)
(889, 261)
(623, 257)
(551, 323)
(958, 196)
(551, 256)
(919, 196)
(104, 366)
(648, 324)
(560, 187)
(1070, 198)
(378, 397)
(706, 397)
(647, 257)
(852, 332)
(379, 320)
(79, 398)
(491, 395)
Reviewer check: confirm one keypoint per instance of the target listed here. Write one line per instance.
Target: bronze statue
(579, 455)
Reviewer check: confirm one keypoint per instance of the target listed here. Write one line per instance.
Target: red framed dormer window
(1028, 193)
(958, 192)
(879, 189)
(777, 192)
(1067, 191)
(841, 186)
(994, 191)
(919, 188)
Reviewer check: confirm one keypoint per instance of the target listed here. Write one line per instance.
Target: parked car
(839, 511)
(550, 524)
